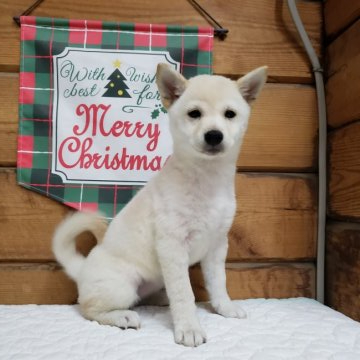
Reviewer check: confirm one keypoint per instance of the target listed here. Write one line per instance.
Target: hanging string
(28, 11)
(219, 31)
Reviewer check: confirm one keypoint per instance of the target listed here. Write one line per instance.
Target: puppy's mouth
(213, 150)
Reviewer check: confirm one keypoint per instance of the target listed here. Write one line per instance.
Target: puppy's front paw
(189, 334)
(229, 310)
(128, 319)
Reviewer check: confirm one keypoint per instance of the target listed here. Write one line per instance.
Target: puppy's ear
(251, 84)
(171, 84)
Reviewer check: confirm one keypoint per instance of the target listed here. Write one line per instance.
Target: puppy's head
(208, 114)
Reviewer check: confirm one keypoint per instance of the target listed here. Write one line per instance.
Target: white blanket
(274, 330)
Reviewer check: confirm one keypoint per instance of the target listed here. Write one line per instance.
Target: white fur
(181, 217)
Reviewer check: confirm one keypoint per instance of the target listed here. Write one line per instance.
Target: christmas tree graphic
(116, 87)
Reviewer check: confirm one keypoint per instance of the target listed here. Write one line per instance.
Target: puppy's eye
(194, 114)
(229, 114)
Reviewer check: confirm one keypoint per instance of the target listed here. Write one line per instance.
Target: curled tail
(64, 245)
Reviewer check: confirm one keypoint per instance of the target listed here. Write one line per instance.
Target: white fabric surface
(275, 329)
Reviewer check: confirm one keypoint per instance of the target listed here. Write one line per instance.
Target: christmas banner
(92, 129)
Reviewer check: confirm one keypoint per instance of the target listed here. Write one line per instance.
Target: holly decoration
(156, 112)
(117, 87)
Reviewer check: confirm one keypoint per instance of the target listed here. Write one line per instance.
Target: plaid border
(41, 39)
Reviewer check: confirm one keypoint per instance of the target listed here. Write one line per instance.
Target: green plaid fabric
(43, 38)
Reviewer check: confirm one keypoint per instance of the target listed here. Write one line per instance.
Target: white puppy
(181, 217)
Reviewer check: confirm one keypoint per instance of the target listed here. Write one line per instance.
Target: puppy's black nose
(213, 137)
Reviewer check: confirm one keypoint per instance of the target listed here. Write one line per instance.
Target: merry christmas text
(78, 149)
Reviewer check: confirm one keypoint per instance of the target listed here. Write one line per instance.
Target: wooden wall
(273, 239)
(342, 23)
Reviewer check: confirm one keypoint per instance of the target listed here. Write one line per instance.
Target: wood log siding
(343, 268)
(47, 283)
(261, 32)
(343, 107)
(275, 220)
(273, 239)
(282, 132)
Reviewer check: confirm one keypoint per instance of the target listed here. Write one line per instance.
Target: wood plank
(343, 268)
(10, 57)
(343, 85)
(338, 15)
(263, 281)
(28, 221)
(278, 138)
(261, 32)
(47, 284)
(344, 173)
(343, 48)
(276, 219)
(9, 91)
(35, 284)
(282, 133)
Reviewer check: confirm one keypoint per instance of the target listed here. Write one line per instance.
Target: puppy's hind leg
(158, 298)
(108, 303)
(124, 319)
